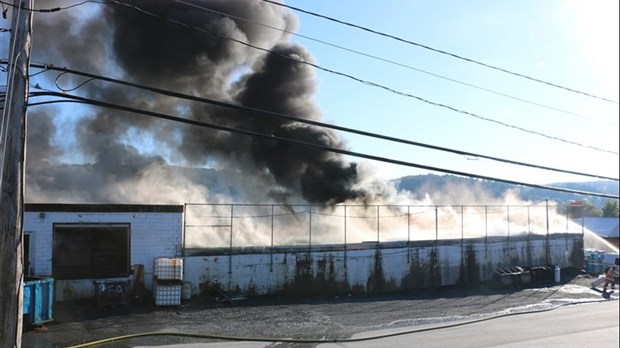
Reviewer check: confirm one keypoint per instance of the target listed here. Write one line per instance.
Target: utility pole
(13, 176)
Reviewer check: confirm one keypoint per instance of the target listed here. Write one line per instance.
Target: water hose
(315, 341)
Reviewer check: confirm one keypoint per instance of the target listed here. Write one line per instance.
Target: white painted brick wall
(152, 235)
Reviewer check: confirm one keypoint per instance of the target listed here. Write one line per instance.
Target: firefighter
(610, 278)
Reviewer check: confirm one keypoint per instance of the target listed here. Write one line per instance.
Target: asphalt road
(584, 325)
(349, 316)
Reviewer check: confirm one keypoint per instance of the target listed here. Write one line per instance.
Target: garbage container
(38, 299)
(511, 276)
(112, 293)
(542, 274)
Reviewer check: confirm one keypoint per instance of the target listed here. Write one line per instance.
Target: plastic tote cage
(167, 294)
(168, 268)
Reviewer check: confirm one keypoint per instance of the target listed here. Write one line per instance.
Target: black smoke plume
(185, 48)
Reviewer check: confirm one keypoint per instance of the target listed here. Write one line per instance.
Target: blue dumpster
(38, 300)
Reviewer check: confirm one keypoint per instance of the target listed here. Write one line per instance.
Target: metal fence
(272, 225)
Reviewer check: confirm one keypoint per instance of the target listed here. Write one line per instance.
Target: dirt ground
(306, 318)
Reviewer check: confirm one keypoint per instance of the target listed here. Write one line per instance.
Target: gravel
(315, 317)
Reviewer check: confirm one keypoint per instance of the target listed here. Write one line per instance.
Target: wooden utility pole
(12, 176)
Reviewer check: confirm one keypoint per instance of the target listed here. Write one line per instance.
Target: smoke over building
(189, 48)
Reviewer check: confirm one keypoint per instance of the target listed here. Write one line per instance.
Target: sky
(569, 43)
(573, 44)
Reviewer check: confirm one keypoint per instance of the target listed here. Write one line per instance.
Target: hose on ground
(315, 341)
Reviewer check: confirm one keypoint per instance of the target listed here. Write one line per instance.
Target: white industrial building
(77, 244)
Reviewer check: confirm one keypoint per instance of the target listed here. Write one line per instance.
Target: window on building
(83, 251)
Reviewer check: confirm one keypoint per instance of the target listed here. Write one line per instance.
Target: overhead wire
(416, 144)
(311, 145)
(366, 82)
(385, 60)
(93, 77)
(73, 88)
(54, 9)
(439, 51)
(346, 75)
(358, 79)
(49, 10)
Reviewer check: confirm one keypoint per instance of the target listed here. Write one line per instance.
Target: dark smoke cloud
(153, 50)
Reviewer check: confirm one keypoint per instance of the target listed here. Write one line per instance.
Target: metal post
(547, 239)
(377, 226)
(271, 249)
(529, 231)
(462, 226)
(408, 234)
(486, 233)
(547, 215)
(529, 227)
(345, 237)
(463, 241)
(231, 240)
(508, 220)
(309, 230)
(566, 234)
(183, 231)
(436, 225)
(508, 229)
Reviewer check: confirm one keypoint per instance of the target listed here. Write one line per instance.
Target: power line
(385, 60)
(366, 82)
(439, 51)
(307, 144)
(54, 9)
(92, 77)
(361, 80)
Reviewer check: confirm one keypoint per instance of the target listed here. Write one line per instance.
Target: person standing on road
(610, 278)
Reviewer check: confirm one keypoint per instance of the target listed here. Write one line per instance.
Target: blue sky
(569, 43)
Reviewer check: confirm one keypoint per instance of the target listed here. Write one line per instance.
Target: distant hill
(85, 183)
(422, 184)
